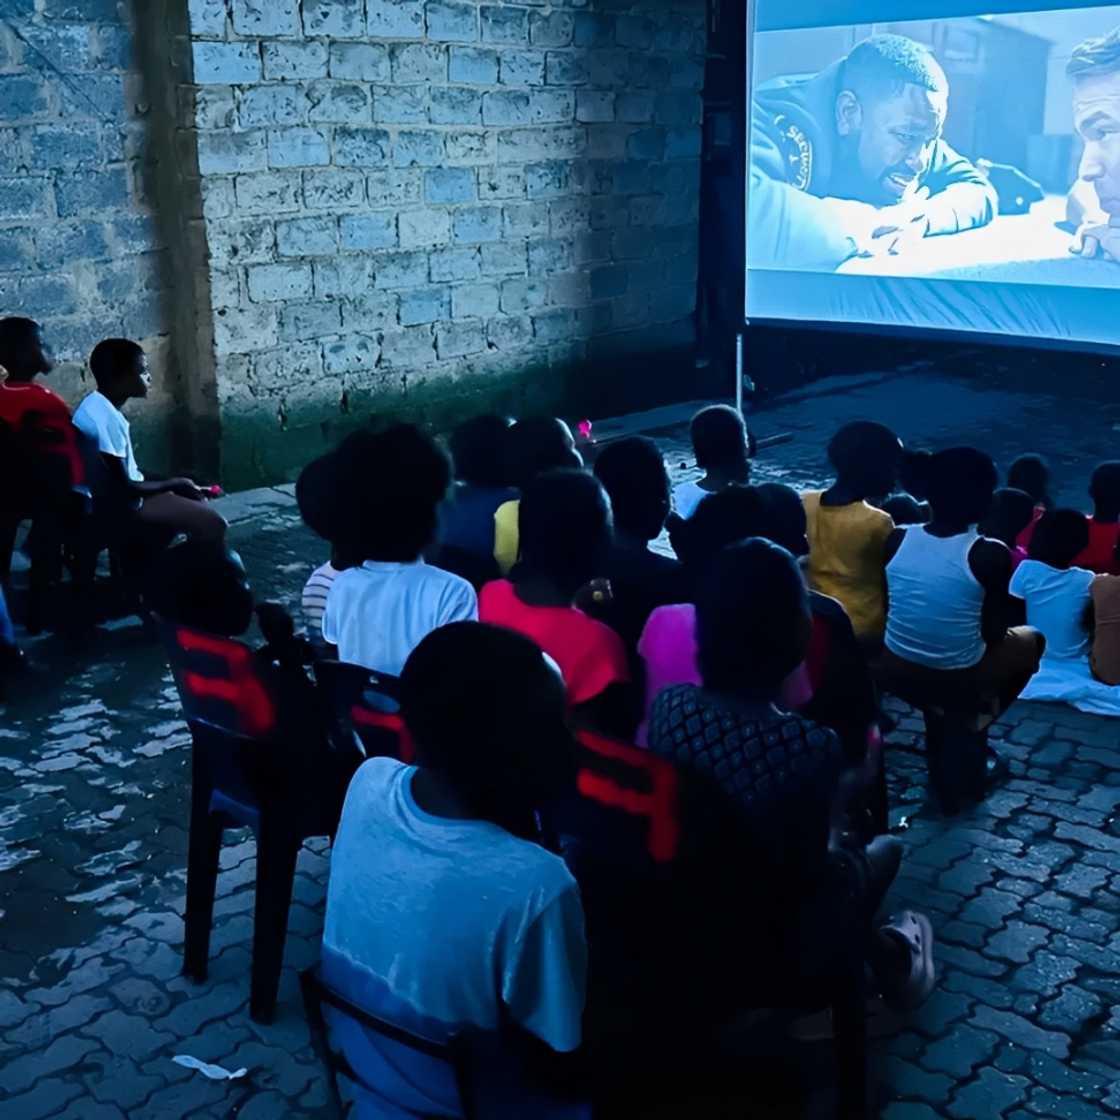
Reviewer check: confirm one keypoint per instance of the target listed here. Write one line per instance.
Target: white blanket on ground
(1072, 682)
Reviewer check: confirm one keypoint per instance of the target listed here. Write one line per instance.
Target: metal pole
(748, 115)
(739, 373)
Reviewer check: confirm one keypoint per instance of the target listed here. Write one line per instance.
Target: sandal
(914, 932)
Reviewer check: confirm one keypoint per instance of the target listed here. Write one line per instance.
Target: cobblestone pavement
(94, 773)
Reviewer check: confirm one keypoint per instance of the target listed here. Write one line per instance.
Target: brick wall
(80, 248)
(311, 211)
(424, 207)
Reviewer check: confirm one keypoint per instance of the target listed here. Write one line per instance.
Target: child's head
(539, 444)
(486, 710)
(905, 510)
(1104, 489)
(1032, 474)
(24, 353)
(961, 484)
(783, 518)
(120, 369)
(752, 619)
(478, 450)
(727, 517)
(634, 475)
(1059, 536)
(866, 457)
(565, 529)
(1010, 513)
(913, 473)
(325, 502)
(721, 442)
(203, 586)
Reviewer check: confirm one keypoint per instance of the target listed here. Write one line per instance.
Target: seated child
(1031, 473)
(26, 405)
(533, 446)
(379, 610)
(565, 528)
(1059, 600)
(478, 452)
(1104, 526)
(948, 604)
(485, 925)
(847, 535)
(753, 626)
(634, 476)
(1010, 513)
(723, 448)
(120, 369)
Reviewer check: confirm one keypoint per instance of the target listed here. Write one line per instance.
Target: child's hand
(186, 488)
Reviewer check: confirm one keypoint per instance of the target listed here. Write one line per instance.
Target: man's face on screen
(1096, 112)
(890, 139)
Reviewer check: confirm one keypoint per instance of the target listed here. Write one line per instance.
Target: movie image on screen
(982, 150)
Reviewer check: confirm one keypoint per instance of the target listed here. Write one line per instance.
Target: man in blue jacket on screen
(851, 161)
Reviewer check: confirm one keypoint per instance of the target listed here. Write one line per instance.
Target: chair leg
(848, 1016)
(205, 847)
(276, 870)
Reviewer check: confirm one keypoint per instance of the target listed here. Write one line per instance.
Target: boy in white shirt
(120, 369)
(379, 611)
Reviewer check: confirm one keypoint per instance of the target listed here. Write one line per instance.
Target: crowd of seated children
(634, 475)
(533, 446)
(1059, 597)
(485, 926)
(753, 627)
(723, 448)
(380, 608)
(847, 534)
(565, 534)
(832, 686)
(1031, 474)
(480, 458)
(1010, 513)
(178, 505)
(949, 612)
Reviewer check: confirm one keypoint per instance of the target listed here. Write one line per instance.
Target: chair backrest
(455, 1052)
(366, 705)
(220, 683)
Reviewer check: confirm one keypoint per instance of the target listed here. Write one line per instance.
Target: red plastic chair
(256, 762)
(640, 838)
(363, 713)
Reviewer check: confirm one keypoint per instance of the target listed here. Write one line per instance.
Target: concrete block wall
(419, 208)
(80, 245)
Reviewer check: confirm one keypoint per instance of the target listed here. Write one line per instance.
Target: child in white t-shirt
(723, 450)
(120, 369)
(380, 608)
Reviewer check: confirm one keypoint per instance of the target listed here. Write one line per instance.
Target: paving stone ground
(94, 783)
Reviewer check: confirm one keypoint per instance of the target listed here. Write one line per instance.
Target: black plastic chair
(455, 1052)
(640, 837)
(256, 762)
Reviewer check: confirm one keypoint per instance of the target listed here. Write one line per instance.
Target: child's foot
(908, 983)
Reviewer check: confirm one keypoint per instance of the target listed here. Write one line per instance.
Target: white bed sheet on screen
(1087, 314)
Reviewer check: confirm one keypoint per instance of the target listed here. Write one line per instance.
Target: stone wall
(80, 248)
(421, 208)
(311, 211)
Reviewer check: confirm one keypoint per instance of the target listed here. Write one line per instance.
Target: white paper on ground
(215, 1073)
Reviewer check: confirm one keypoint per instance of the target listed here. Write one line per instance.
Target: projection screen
(944, 166)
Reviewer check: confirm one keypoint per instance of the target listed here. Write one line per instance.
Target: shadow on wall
(421, 209)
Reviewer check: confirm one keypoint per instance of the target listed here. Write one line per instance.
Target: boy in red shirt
(31, 408)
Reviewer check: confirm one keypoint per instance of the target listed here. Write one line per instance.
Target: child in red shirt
(565, 532)
(30, 408)
(1104, 525)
